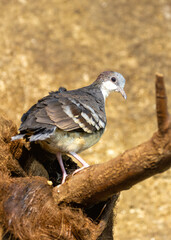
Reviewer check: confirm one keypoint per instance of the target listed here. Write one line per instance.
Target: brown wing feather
(67, 116)
(59, 117)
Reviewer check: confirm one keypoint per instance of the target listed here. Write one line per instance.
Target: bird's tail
(16, 137)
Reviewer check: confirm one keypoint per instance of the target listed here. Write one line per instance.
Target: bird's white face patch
(107, 87)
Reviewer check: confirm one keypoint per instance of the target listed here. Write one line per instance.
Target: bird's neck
(105, 92)
(103, 87)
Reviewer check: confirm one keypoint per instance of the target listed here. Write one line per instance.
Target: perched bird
(71, 121)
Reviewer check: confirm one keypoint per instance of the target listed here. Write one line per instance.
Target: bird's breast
(66, 142)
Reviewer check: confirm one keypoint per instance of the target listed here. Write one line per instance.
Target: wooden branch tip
(161, 104)
(159, 75)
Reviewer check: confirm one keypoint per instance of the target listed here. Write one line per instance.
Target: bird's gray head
(111, 81)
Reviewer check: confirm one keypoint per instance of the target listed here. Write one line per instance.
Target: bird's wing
(68, 114)
(59, 111)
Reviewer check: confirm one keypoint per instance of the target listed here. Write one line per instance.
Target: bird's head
(111, 81)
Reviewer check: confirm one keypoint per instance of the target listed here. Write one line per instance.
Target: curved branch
(99, 182)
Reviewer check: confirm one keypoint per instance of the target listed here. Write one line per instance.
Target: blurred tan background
(48, 44)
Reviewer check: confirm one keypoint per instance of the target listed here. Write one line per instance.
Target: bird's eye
(113, 79)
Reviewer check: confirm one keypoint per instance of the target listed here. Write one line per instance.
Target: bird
(69, 122)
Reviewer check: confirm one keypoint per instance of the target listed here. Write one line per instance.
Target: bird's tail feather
(16, 137)
(40, 134)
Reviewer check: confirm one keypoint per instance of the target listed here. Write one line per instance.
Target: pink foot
(79, 169)
(85, 165)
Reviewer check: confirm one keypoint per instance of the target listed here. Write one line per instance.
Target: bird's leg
(76, 156)
(64, 174)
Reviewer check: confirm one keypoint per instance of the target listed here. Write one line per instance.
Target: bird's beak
(121, 90)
